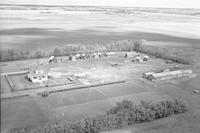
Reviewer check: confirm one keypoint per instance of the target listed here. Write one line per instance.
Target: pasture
(48, 39)
(70, 105)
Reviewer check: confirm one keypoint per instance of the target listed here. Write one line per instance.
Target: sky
(123, 3)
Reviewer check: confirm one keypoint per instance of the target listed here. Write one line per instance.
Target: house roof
(51, 58)
(33, 74)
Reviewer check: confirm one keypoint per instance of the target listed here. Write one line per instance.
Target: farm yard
(88, 86)
(89, 71)
(85, 102)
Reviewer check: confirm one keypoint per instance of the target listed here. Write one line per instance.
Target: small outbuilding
(83, 56)
(95, 55)
(99, 54)
(169, 62)
(138, 59)
(167, 74)
(146, 58)
(87, 55)
(78, 56)
(72, 58)
(52, 59)
(105, 54)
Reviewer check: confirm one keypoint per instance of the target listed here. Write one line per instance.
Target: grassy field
(19, 81)
(19, 112)
(38, 38)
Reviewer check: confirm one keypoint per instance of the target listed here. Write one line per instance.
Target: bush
(162, 52)
(12, 54)
(125, 104)
(123, 115)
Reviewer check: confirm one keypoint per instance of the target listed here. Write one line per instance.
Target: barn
(167, 74)
(52, 59)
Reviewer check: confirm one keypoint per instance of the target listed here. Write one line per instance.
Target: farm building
(38, 75)
(145, 58)
(65, 58)
(105, 54)
(148, 74)
(83, 56)
(110, 53)
(95, 55)
(88, 55)
(167, 74)
(61, 59)
(72, 58)
(169, 62)
(78, 56)
(52, 59)
(137, 59)
(99, 54)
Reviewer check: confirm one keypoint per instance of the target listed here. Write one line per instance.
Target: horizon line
(99, 6)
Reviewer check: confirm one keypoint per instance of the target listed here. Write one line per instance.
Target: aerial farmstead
(99, 69)
(87, 77)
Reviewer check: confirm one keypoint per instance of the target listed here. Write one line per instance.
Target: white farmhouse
(38, 75)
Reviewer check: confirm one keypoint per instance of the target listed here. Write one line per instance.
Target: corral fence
(15, 73)
(10, 82)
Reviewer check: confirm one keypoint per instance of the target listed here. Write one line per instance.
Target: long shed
(167, 74)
